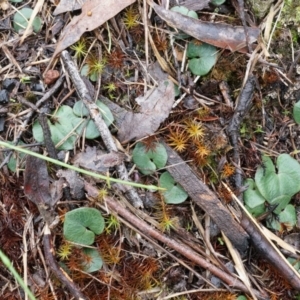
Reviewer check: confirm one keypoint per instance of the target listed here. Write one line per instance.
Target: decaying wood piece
(206, 199)
(94, 111)
(233, 129)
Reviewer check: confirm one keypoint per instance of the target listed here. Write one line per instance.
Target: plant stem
(13, 271)
(71, 167)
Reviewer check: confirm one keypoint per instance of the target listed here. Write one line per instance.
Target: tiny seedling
(274, 187)
(21, 19)
(149, 161)
(174, 193)
(80, 227)
(202, 57)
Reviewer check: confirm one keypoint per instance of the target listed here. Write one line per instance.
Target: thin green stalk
(71, 167)
(13, 271)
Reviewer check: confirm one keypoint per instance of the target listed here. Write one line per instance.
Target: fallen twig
(180, 248)
(93, 109)
(233, 129)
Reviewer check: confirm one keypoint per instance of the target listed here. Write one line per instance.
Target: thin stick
(106, 136)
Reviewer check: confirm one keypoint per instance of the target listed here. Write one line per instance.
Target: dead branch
(206, 199)
(106, 136)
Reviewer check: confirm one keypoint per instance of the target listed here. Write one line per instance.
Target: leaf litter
(146, 113)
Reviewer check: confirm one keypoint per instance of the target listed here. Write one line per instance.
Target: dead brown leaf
(97, 160)
(68, 5)
(94, 13)
(217, 34)
(155, 108)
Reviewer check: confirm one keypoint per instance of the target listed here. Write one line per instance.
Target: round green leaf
(64, 123)
(92, 131)
(22, 17)
(174, 193)
(202, 58)
(80, 110)
(95, 261)
(81, 225)
(149, 161)
(185, 11)
(296, 112)
(217, 2)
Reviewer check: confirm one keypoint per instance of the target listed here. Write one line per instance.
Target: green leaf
(241, 297)
(12, 163)
(288, 216)
(22, 17)
(85, 70)
(296, 112)
(149, 161)
(185, 11)
(286, 182)
(95, 261)
(15, 1)
(254, 201)
(65, 122)
(217, 2)
(80, 110)
(81, 225)
(295, 263)
(202, 58)
(174, 193)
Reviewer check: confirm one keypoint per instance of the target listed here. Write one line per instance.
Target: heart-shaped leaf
(149, 161)
(64, 123)
(80, 110)
(286, 182)
(174, 193)
(22, 17)
(202, 58)
(81, 225)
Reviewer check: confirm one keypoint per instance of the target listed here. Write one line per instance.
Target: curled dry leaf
(94, 13)
(220, 35)
(51, 76)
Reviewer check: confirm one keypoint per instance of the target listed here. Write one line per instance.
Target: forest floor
(149, 150)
